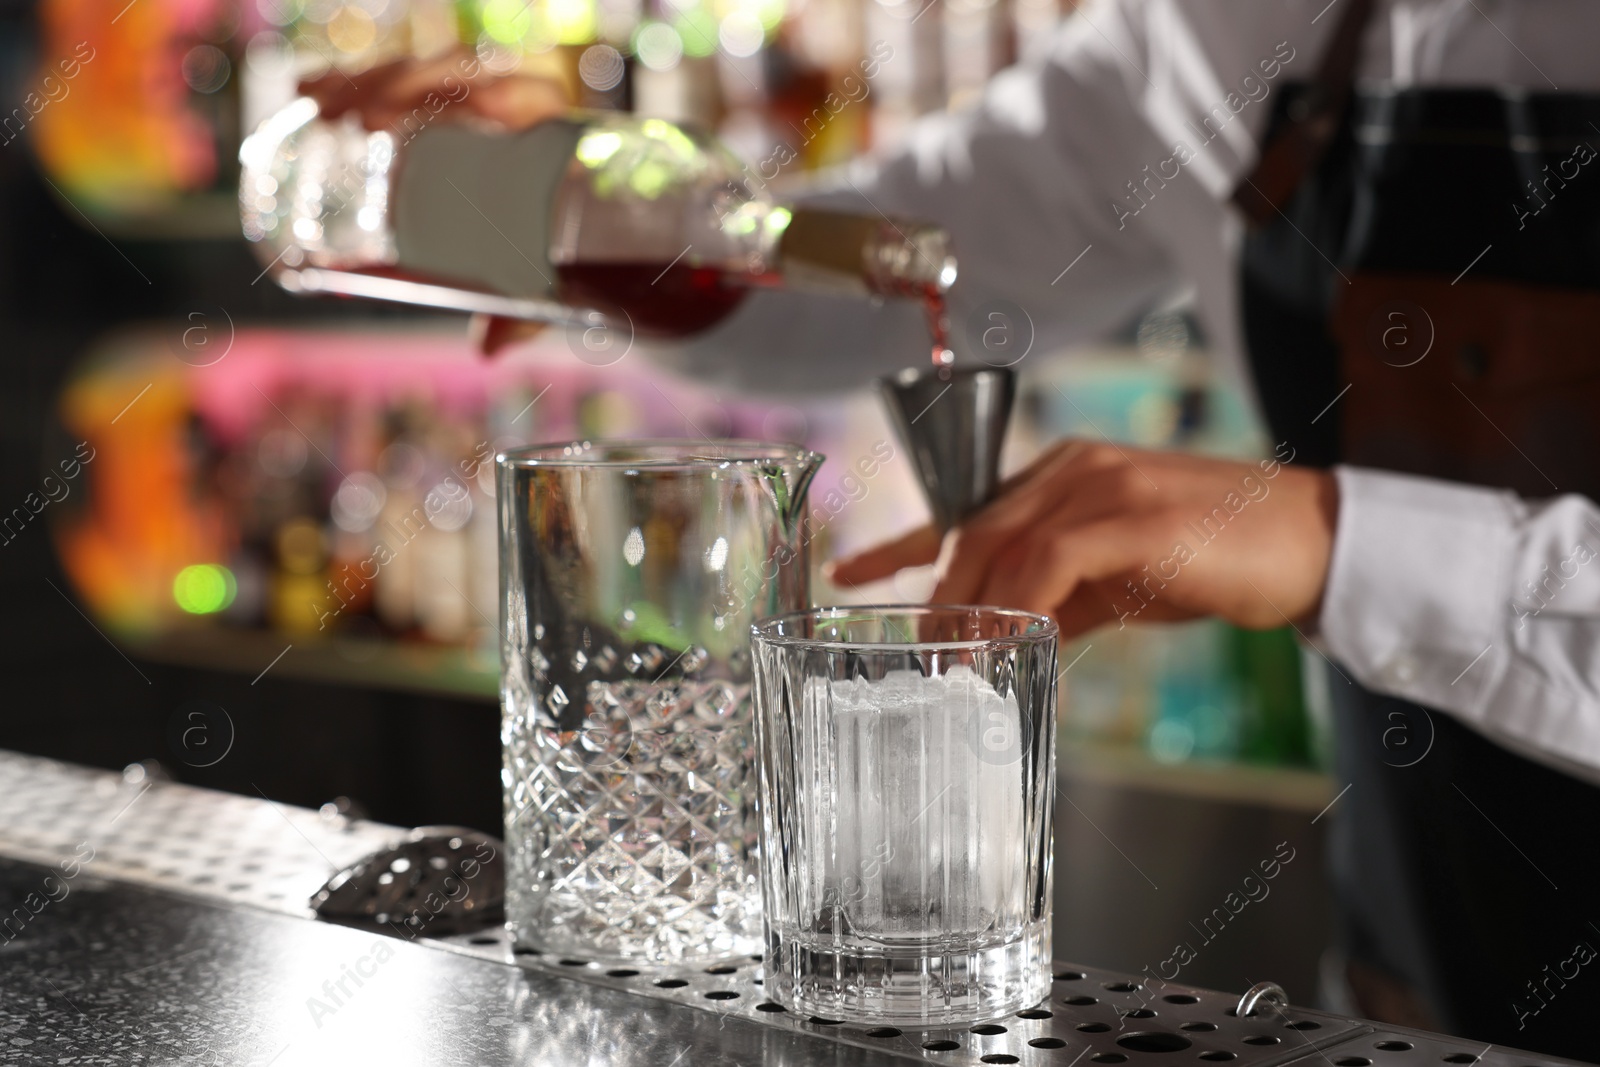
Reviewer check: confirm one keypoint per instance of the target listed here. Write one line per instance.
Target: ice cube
(917, 824)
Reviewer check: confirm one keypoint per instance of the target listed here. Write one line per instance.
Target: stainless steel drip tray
(1092, 1016)
(255, 855)
(126, 827)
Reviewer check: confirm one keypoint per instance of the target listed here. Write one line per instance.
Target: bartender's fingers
(491, 334)
(415, 92)
(519, 102)
(921, 546)
(1079, 486)
(437, 89)
(915, 549)
(1022, 500)
(1046, 569)
(337, 91)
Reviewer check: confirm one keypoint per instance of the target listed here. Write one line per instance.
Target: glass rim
(678, 453)
(762, 631)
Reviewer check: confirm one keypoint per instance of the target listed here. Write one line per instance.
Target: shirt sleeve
(1025, 184)
(1473, 602)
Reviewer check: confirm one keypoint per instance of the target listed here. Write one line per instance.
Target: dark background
(405, 758)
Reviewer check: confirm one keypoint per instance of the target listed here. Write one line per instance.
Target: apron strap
(1294, 152)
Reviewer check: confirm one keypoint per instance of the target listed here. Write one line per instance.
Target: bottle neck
(861, 255)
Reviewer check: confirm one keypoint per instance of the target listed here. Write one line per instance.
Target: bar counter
(149, 922)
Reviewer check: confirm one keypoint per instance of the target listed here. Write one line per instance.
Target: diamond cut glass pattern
(628, 774)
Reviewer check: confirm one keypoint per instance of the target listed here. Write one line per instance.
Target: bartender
(1388, 212)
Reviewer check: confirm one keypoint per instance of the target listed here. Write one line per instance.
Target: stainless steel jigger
(954, 427)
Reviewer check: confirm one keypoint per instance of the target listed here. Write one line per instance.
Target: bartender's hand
(448, 88)
(1067, 535)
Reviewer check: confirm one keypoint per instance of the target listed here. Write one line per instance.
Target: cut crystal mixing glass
(630, 575)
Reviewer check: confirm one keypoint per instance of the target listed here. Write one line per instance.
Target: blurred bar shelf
(440, 670)
(1125, 766)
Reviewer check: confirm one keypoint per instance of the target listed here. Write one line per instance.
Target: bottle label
(472, 207)
(824, 251)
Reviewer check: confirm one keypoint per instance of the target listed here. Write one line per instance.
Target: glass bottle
(594, 213)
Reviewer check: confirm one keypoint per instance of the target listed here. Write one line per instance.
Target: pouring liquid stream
(938, 316)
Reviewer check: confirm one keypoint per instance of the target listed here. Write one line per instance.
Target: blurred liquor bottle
(1190, 691)
(1231, 694)
(979, 41)
(1274, 727)
(136, 118)
(912, 81)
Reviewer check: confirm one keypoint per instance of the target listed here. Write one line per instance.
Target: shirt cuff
(1418, 585)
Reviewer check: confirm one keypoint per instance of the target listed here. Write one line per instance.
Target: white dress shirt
(1060, 193)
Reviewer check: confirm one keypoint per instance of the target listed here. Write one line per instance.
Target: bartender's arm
(1463, 599)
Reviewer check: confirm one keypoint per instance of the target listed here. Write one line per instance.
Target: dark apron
(1467, 223)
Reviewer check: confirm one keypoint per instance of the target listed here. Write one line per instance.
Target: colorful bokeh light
(204, 588)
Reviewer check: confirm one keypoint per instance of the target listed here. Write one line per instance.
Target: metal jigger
(954, 427)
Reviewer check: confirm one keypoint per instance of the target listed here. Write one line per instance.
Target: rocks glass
(907, 767)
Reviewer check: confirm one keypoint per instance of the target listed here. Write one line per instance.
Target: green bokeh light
(698, 28)
(204, 588)
(507, 21)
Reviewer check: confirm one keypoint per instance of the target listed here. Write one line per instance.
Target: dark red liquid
(680, 300)
(661, 300)
(938, 314)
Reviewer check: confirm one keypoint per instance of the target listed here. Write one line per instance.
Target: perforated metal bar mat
(261, 854)
(1091, 1017)
(245, 850)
